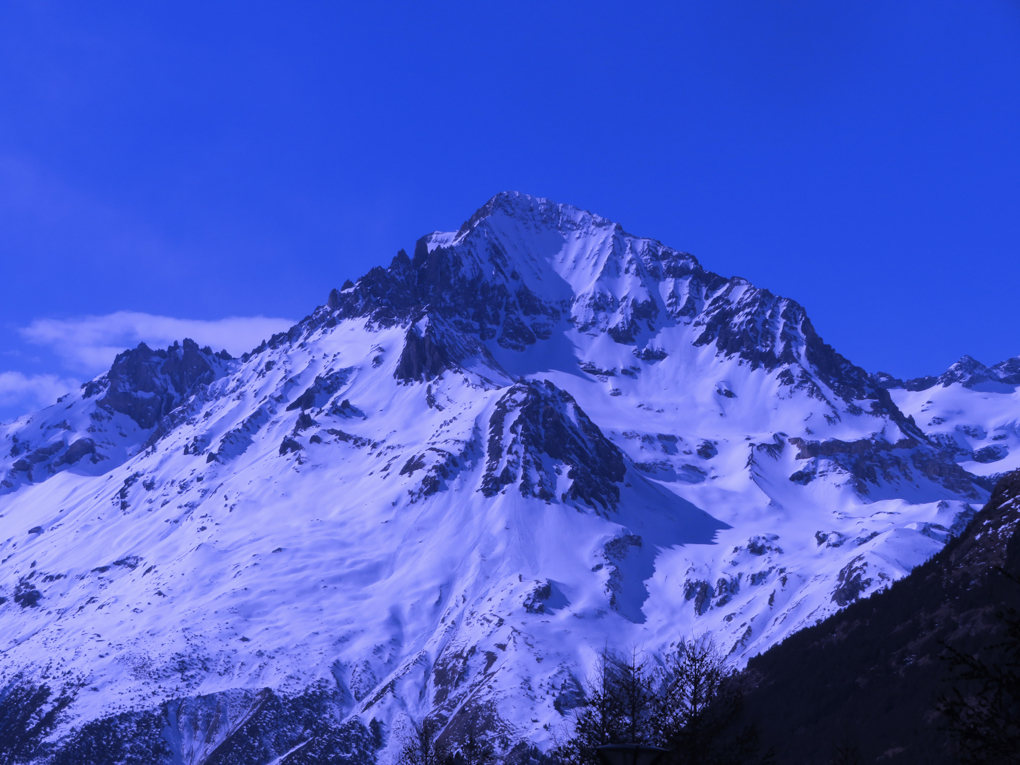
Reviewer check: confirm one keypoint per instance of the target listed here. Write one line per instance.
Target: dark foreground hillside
(868, 679)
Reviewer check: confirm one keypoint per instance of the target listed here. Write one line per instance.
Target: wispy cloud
(89, 344)
(25, 392)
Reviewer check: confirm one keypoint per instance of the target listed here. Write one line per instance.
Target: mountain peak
(523, 266)
(524, 207)
(967, 371)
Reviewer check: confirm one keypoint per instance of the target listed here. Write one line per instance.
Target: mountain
(968, 372)
(871, 676)
(443, 493)
(969, 412)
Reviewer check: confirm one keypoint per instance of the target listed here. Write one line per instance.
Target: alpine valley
(446, 490)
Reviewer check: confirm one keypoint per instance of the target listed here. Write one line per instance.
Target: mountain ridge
(445, 489)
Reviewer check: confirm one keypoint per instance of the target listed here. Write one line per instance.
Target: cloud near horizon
(38, 391)
(88, 345)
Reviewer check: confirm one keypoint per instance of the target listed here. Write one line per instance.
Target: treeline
(926, 671)
(688, 704)
(820, 709)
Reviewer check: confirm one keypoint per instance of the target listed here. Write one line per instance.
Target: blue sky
(168, 166)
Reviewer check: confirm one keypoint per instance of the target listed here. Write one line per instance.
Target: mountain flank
(871, 676)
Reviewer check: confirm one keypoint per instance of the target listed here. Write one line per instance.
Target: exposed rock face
(439, 466)
(231, 728)
(441, 281)
(422, 357)
(967, 370)
(771, 332)
(992, 453)
(701, 592)
(852, 582)
(1008, 371)
(541, 440)
(873, 461)
(321, 390)
(83, 447)
(147, 385)
(26, 595)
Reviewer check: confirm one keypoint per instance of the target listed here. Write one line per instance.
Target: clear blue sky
(196, 161)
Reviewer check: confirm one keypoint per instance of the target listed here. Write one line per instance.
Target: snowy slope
(446, 490)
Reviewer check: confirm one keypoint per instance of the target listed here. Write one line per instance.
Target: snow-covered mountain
(970, 412)
(446, 490)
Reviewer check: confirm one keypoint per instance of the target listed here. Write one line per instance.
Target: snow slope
(447, 489)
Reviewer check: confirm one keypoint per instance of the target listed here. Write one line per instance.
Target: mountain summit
(443, 493)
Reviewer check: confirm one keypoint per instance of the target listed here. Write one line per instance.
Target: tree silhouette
(474, 751)
(983, 708)
(422, 746)
(602, 719)
(690, 707)
(845, 752)
(698, 708)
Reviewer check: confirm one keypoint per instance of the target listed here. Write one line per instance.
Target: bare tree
(690, 708)
(602, 718)
(635, 689)
(698, 709)
(845, 752)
